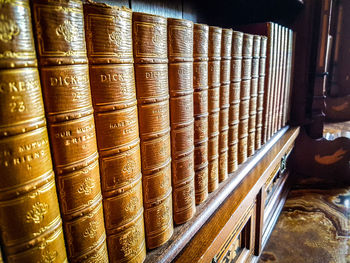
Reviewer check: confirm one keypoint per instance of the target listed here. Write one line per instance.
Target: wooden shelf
(245, 183)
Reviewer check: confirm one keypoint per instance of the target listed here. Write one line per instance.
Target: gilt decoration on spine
(214, 54)
(225, 70)
(235, 88)
(30, 221)
(108, 32)
(180, 55)
(247, 52)
(60, 39)
(200, 110)
(253, 95)
(151, 75)
(261, 88)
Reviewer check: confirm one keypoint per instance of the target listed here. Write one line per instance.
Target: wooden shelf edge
(184, 233)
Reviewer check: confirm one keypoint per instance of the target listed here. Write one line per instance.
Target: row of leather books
(114, 125)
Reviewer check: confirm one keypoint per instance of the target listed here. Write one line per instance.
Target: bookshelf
(236, 219)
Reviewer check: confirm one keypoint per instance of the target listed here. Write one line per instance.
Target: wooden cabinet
(238, 217)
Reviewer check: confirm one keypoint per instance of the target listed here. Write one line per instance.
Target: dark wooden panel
(166, 8)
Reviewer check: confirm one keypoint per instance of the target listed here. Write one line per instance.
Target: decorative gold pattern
(87, 186)
(91, 230)
(8, 29)
(100, 257)
(68, 31)
(49, 257)
(116, 36)
(129, 242)
(37, 213)
(132, 205)
(129, 167)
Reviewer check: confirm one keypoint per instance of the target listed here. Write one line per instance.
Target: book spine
(225, 70)
(64, 73)
(268, 81)
(151, 75)
(247, 53)
(283, 78)
(261, 89)
(200, 110)
(30, 221)
(180, 55)
(113, 91)
(280, 87)
(289, 76)
(214, 54)
(275, 87)
(253, 95)
(235, 88)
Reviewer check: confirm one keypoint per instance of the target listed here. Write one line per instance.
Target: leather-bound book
(110, 54)
(30, 221)
(225, 70)
(266, 29)
(64, 72)
(151, 75)
(253, 95)
(200, 110)
(261, 89)
(288, 76)
(235, 87)
(279, 66)
(283, 78)
(247, 52)
(275, 83)
(214, 54)
(180, 55)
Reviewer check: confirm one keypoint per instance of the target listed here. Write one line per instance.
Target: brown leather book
(151, 75)
(279, 87)
(225, 70)
(30, 221)
(200, 110)
(235, 87)
(289, 76)
(214, 54)
(253, 95)
(275, 83)
(261, 88)
(60, 39)
(247, 54)
(283, 78)
(113, 91)
(180, 55)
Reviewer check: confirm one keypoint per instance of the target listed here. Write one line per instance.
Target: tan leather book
(30, 221)
(113, 91)
(180, 55)
(200, 110)
(214, 54)
(247, 53)
(60, 39)
(151, 75)
(225, 70)
(235, 87)
(261, 89)
(253, 95)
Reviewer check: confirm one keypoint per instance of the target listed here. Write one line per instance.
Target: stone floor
(314, 227)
